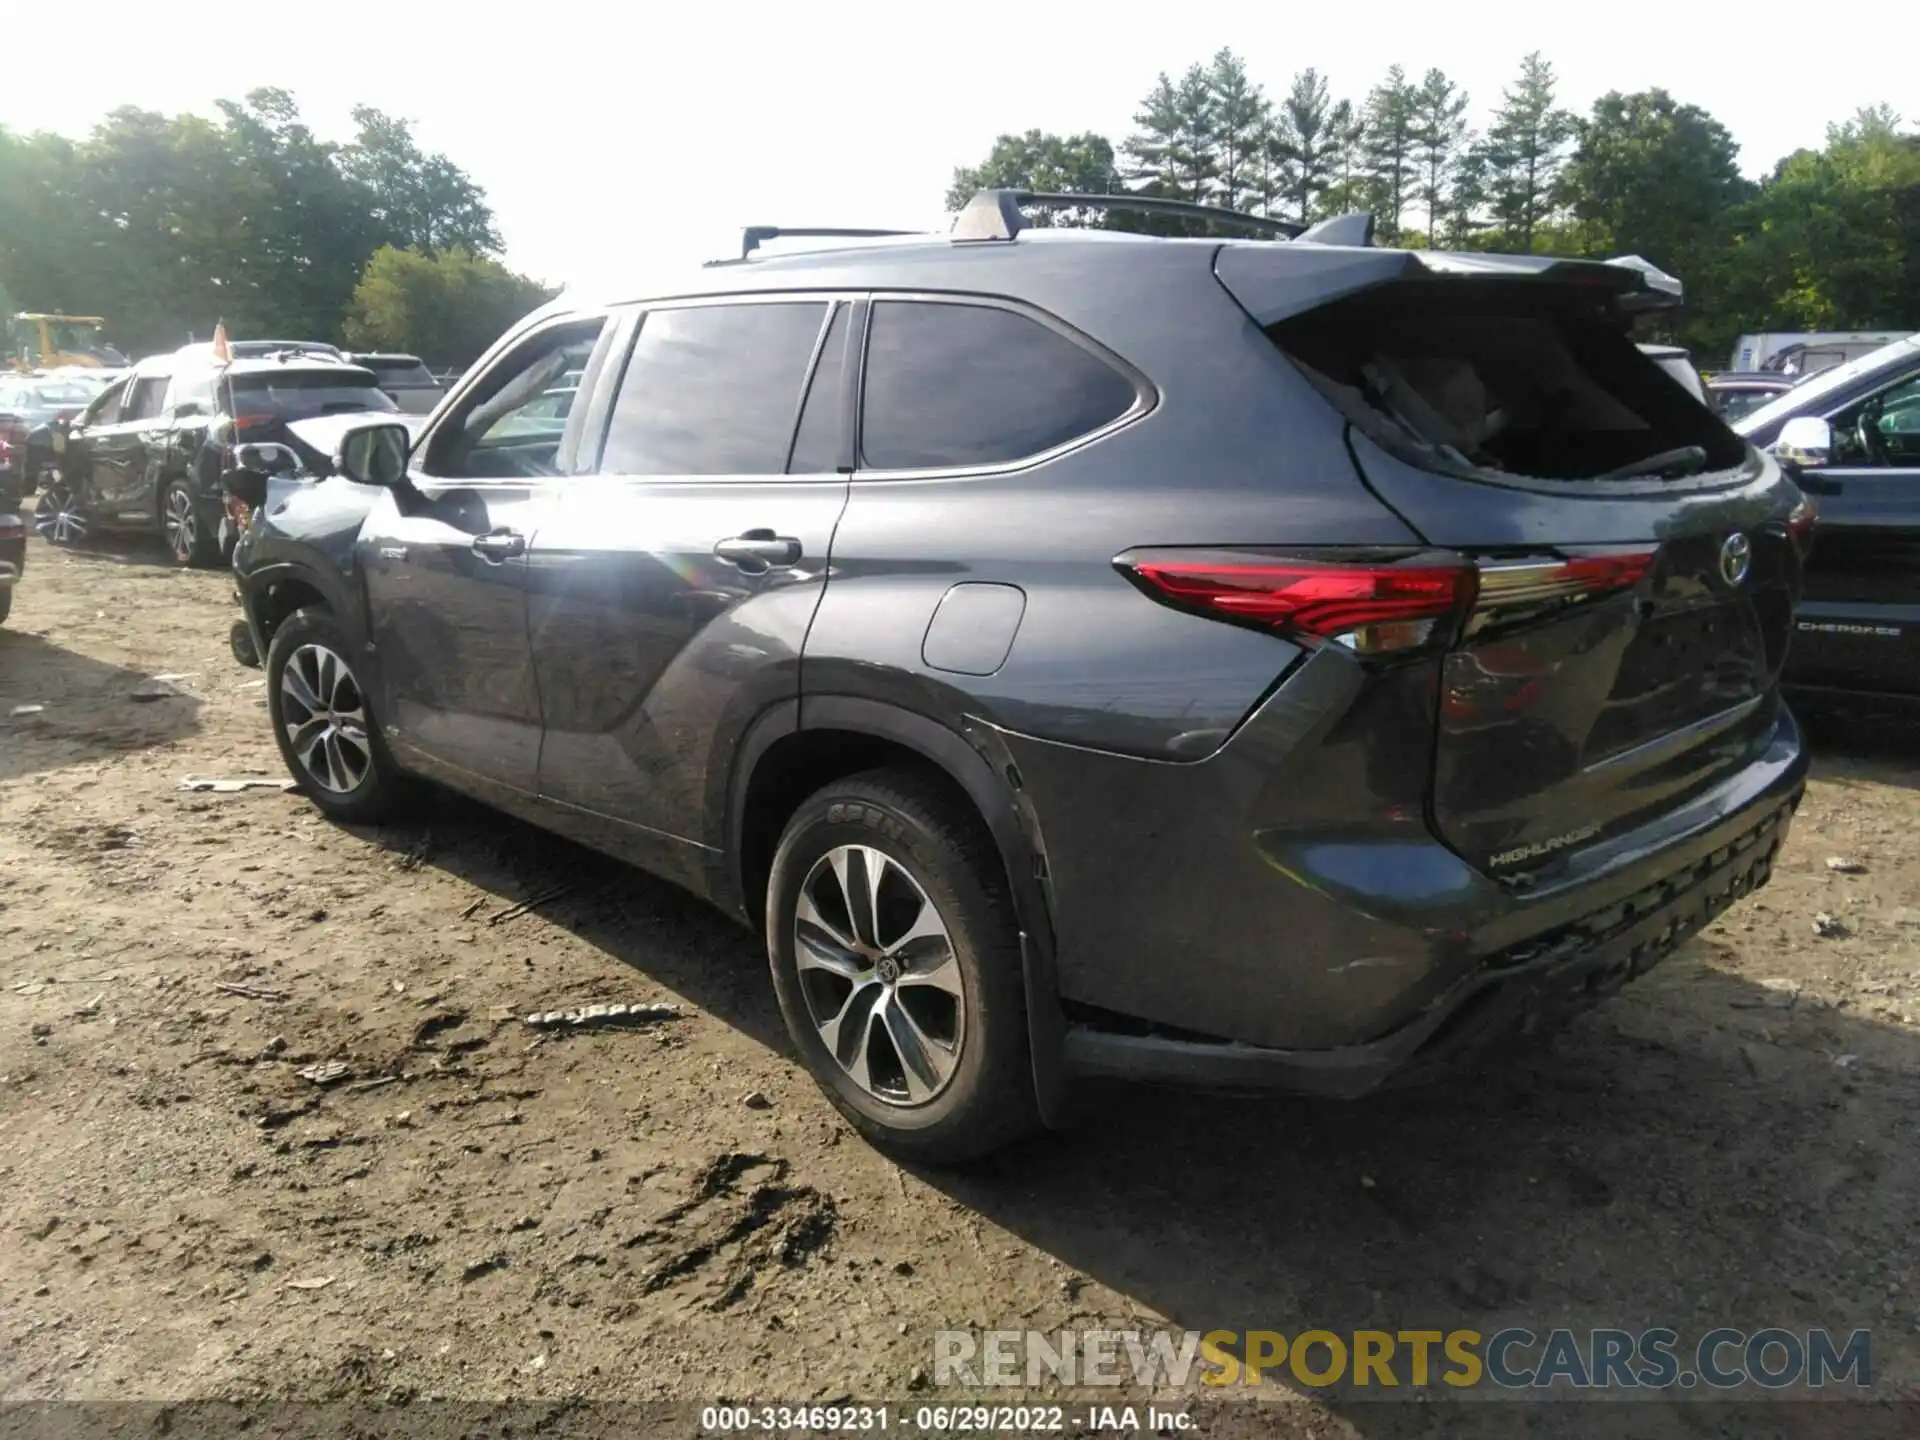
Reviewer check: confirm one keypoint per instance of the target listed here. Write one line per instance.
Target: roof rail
(754, 236)
(1353, 228)
(995, 214)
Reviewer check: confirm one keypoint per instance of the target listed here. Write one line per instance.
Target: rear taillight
(6, 453)
(1513, 590)
(12, 527)
(1371, 602)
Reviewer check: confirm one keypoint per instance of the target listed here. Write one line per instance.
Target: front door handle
(498, 545)
(758, 551)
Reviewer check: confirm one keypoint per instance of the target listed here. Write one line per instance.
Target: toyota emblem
(1736, 558)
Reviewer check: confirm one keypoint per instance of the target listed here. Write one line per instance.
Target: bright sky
(614, 137)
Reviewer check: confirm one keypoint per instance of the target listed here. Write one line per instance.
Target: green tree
(445, 307)
(1390, 150)
(1439, 137)
(1171, 151)
(1348, 187)
(1237, 122)
(1827, 243)
(1304, 143)
(1525, 151)
(418, 200)
(1656, 178)
(1040, 160)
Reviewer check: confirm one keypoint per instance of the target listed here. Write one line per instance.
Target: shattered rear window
(1502, 378)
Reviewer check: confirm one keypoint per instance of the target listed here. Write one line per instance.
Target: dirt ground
(673, 1212)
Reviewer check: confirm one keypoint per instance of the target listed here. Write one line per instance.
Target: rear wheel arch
(780, 763)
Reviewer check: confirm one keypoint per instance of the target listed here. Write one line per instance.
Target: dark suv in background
(1236, 662)
(149, 453)
(1851, 435)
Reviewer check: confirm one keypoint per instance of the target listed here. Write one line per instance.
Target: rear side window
(950, 386)
(301, 395)
(713, 390)
(1506, 379)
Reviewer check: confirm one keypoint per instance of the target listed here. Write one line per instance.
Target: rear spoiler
(1276, 282)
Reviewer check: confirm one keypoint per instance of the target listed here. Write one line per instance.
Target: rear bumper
(1514, 993)
(1200, 939)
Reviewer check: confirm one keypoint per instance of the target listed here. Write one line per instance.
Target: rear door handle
(498, 545)
(758, 551)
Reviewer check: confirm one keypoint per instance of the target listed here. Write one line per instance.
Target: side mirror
(266, 458)
(1806, 441)
(374, 454)
(188, 409)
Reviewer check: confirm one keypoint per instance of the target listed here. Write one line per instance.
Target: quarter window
(976, 385)
(144, 402)
(713, 390)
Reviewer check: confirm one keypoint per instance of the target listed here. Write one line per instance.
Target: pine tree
(1303, 144)
(1390, 149)
(1525, 151)
(1239, 120)
(1439, 136)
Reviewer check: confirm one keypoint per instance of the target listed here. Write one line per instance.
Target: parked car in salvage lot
(148, 454)
(878, 594)
(13, 558)
(1851, 436)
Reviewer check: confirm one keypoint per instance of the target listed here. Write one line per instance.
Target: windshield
(1806, 397)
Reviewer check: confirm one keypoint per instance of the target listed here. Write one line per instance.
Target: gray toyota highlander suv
(1232, 661)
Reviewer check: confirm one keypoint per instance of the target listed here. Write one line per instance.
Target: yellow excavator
(44, 342)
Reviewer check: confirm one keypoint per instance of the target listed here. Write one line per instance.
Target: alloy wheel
(55, 517)
(877, 967)
(183, 525)
(325, 719)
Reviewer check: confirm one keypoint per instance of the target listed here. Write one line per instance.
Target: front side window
(1883, 430)
(106, 409)
(713, 390)
(975, 385)
(511, 425)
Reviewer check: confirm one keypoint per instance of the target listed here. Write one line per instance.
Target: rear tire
(323, 722)
(190, 538)
(896, 957)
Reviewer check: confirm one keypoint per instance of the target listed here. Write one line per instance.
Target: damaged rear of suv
(1237, 662)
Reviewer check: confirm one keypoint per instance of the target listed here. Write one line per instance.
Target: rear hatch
(1633, 563)
(266, 401)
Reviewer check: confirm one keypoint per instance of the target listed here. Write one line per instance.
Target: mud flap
(1046, 1035)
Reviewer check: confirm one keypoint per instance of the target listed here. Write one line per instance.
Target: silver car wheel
(882, 983)
(182, 526)
(325, 719)
(55, 517)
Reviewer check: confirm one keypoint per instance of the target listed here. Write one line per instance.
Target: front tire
(57, 515)
(323, 723)
(190, 539)
(896, 957)
(6, 604)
